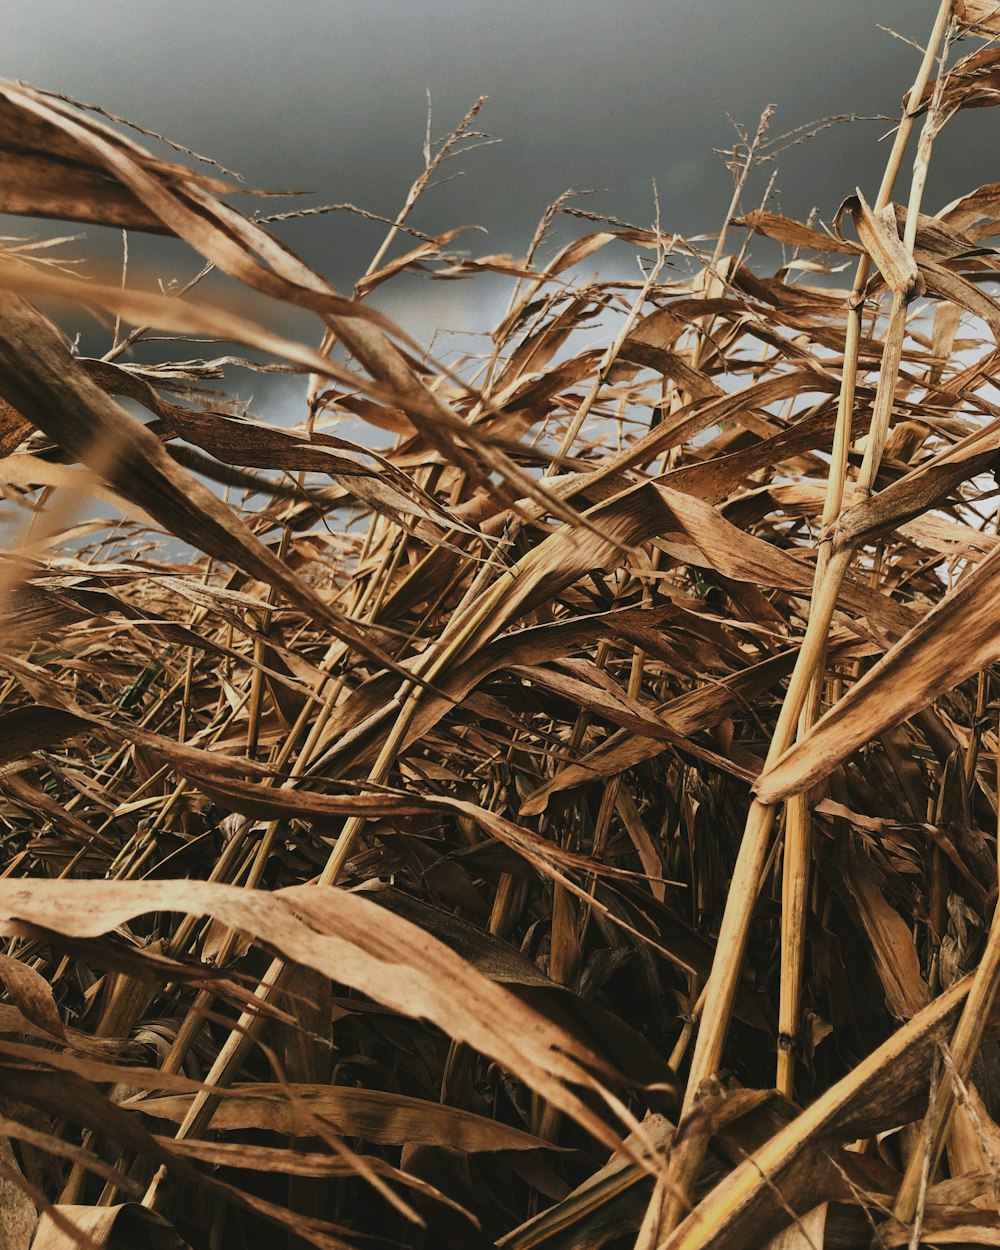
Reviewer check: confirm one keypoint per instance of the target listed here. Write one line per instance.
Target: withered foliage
(561, 814)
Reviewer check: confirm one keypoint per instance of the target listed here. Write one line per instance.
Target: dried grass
(615, 748)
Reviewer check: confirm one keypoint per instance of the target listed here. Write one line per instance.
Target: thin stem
(734, 932)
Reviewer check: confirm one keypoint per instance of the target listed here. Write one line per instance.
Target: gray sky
(330, 96)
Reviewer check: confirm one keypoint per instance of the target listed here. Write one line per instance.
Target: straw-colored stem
(798, 820)
(964, 1045)
(724, 977)
(245, 1033)
(794, 915)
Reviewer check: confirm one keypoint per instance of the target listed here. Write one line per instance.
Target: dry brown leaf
(879, 235)
(791, 1169)
(807, 1233)
(14, 428)
(890, 941)
(41, 377)
(982, 15)
(116, 1228)
(920, 666)
(972, 82)
(353, 941)
(371, 1114)
(968, 212)
(18, 1216)
(31, 994)
(794, 233)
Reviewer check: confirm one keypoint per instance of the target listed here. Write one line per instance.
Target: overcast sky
(330, 96)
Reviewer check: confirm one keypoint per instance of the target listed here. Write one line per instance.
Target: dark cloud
(330, 95)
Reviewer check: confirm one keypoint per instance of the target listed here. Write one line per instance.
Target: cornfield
(543, 798)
